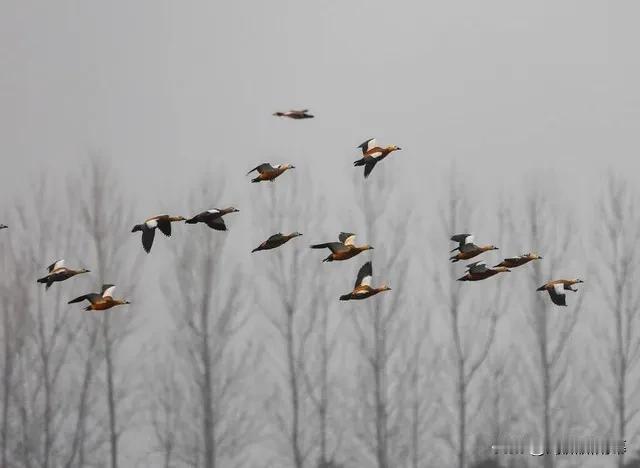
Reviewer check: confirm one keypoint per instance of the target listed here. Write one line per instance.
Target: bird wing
(107, 290)
(346, 238)
(468, 247)
(303, 111)
(165, 226)
(55, 265)
(274, 237)
(335, 247)
(367, 145)
(462, 238)
(264, 167)
(91, 297)
(557, 294)
(364, 275)
(368, 167)
(147, 239)
(477, 267)
(217, 224)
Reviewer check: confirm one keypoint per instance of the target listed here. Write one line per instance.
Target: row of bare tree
(261, 366)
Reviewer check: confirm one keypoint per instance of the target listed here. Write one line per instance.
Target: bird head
(233, 210)
(384, 287)
(578, 280)
(394, 148)
(367, 247)
(84, 270)
(493, 247)
(296, 234)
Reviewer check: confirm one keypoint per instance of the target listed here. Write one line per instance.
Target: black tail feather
(345, 297)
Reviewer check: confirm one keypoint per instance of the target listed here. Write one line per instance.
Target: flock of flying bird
(343, 249)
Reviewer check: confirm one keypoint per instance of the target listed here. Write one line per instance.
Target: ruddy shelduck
(467, 249)
(148, 228)
(478, 271)
(102, 301)
(3, 226)
(363, 289)
(520, 260)
(59, 272)
(276, 240)
(372, 154)
(268, 172)
(295, 114)
(344, 249)
(213, 218)
(557, 288)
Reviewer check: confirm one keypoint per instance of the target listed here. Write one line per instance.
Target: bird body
(557, 288)
(467, 248)
(148, 228)
(58, 272)
(268, 172)
(520, 260)
(478, 271)
(295, 114)
(372, 154)
(102, 301)
(344, 249)
(3, 226)
(362, 288)
(212, 218)
(276, 240)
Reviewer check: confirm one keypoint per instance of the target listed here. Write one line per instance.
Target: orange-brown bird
(213, 218)
(276, 240)
(520, 260)
(148, 228)
(102, 301)
(477, 271)
(59, 272)
(372, 154)
(344, 249)
(295, 114)
(557, 288)
(467, 249)
(363, 289)
(268, 172)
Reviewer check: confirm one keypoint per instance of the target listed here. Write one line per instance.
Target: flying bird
(467, 249)
(148, 228)
(557, 288)
(520, 260)
(3, 226)
(268, 172)
(363, 289)
(59, 272)
(372, 154)
(477, 271)
(344, 249)
(212, 218)
(101, 301)
(276, 240)
(295, 114)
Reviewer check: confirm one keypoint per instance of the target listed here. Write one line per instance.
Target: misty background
(517, 122)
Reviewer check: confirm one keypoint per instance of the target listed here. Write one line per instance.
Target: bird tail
(454, 259)
(345, 297)
(257, 179)
(457, 248)
(463, 278)
(87, 308)
(136, 228)
(359, 162)
(42, 280)
(256, 249)
(328, 259)
(541, 288)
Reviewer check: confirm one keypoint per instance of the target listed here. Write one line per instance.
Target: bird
(467, 249)
(295, 114)
(372, 154)
(557, 288)
(344, 249)
(148, 228)
(363, 289)
(59, 272)
(212, 218)
(520, 260)
(477, 271)
(101, 301)
(276, 240)
(3, 226)
(268, 172)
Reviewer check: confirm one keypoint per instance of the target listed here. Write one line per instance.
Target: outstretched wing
(55, 265)
(217, 224)
(91, 297)
(335, 247)
(557, 294)
(347, 238)
(147, 239)
(165, 226)
(107, 290)
(364, 275)
(477, 267)
(367, 145)
(368, 167)
(264, 167)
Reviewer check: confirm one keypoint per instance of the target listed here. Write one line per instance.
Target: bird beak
(293, 167)
(235, 210)
(398, 148)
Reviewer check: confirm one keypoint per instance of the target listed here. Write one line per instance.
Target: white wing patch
(371, 144)
(108, 292)
(366, 281)
(349, 240)
(58, 264)
(215, 210)
(152, 224)
(559, 289)
(468, 240)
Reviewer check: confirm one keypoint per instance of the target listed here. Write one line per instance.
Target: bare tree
(204, 399)
(617, 274)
